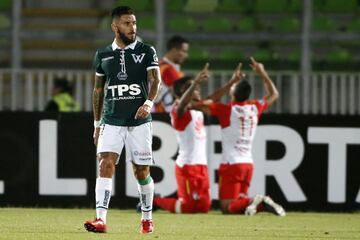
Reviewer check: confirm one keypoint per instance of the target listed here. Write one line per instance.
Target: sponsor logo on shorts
(142, 154)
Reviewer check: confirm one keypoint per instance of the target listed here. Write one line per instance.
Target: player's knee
(188, 207)
(141, 172)
(203, 205)
(106, 167)
(224, 206)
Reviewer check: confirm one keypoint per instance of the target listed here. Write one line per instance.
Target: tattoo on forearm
(99, 82)
(97, 103)
(154, 77)
(98, 97)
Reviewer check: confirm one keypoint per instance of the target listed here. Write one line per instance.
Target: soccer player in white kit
(238, 120)
(191, 163)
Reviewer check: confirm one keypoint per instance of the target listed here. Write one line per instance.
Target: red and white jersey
(191, 137)
(238, 121)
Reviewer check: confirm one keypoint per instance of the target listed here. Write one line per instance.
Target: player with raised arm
(238, 120)
(122, 102)
(191, 164)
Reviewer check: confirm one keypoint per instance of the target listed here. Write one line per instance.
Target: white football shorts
(137, 141)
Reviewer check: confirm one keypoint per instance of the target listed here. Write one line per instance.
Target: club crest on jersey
(122, 76)
(138, 58)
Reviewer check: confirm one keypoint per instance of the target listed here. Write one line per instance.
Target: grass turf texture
(37, 224)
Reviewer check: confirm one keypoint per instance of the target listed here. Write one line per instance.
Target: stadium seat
(5, 5)
(323, 24)
(137, 5)
(200, 5)
(270, 6)
(354, 25)
(294, 56)
(263, 54)
(5, 21)
(295, 5)
(318, 5)
(234, 6)
(248, 24)
(287, 25)
(346, 6)
(339, 55)
(231, 54)
(199, 54)
(183, 24)
(146, 22)
(104, 23)
(175, 5)
(217, 25)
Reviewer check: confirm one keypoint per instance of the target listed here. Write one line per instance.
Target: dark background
(19, 161)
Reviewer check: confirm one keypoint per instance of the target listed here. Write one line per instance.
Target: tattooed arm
(98, 99)
(155, 80)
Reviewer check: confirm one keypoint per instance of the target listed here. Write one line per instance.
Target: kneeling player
(238, 121)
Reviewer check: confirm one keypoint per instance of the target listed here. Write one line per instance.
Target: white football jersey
(191, 137)
(238, 121)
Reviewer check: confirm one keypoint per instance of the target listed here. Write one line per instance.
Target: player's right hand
(203, 75)
(237, 74)
(96, 135)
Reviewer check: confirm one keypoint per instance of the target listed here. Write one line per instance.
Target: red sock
(166, 203)
(239, 205)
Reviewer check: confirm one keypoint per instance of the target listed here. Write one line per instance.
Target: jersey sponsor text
(119, 90)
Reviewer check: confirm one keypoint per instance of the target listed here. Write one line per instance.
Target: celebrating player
(122, 114)
(191, 163)
(238, 121)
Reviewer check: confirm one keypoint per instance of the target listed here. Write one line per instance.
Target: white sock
(146, 198)
(102, 196)
(178, 206)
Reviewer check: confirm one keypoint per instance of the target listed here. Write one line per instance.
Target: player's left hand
(143, 112)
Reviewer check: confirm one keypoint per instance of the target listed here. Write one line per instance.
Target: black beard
(125, 39)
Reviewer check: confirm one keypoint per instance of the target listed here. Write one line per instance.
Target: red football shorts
(234, 179)
(193, 185)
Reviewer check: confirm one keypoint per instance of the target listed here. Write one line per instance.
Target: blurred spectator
(62, 99)
(177, 53)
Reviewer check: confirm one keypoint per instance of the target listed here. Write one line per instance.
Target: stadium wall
(305, 162)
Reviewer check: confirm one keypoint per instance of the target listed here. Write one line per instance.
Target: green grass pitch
(37, 224)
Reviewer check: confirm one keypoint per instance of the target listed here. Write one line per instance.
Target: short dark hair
(179, 84)
(242, 91)
(62, 84)
(121, 10)
(175, 42)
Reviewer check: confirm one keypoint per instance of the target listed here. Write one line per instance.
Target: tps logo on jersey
(118, 91)
(138, 58)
